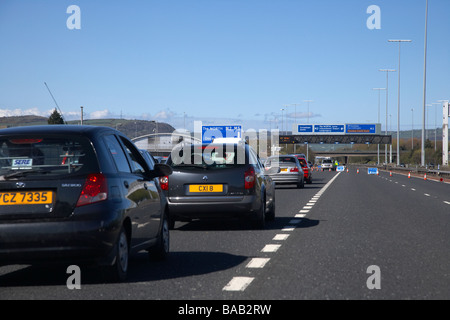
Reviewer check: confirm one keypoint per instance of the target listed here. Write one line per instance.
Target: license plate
(284, 170)
(25, 197)
(206, 188)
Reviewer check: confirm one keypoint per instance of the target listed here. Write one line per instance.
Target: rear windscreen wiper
(24, 173)
(204, 166)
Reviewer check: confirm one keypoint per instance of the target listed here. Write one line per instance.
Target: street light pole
(398, 99)
(378, 146)
(387, 99)
(412, 129)
(308, 101)
(295, 121)
(424, 86)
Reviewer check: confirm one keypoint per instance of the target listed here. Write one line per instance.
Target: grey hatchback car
(290, 170)
(213, 181)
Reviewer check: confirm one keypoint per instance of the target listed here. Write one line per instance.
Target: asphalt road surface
(346, 236)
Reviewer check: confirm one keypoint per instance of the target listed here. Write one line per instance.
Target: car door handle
(125, 183)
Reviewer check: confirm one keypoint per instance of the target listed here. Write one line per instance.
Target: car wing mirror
(162, 170)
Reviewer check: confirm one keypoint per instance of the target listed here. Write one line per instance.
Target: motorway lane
(205, 257)
(398, 224)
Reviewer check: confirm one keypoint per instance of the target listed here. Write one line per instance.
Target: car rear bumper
(213, 207)
(56, 241)
(287, 179)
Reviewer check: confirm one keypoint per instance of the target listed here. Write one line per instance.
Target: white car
(327, 164)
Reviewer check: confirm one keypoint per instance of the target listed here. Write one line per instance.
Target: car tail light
(95, 189)
(164, 182)
(249, 178)
(294, 169)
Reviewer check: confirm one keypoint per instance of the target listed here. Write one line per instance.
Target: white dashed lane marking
(257, 263)
(271, 248)
(241, 283)
(280, 237)
(238, 284)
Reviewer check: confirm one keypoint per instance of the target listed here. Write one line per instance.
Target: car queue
(85, 194)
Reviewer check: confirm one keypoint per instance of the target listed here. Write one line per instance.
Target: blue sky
(222, 61)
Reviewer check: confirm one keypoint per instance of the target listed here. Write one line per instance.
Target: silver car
(290, 170)
(327, 164)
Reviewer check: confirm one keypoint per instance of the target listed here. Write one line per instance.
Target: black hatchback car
(78, 194)
(218, 181)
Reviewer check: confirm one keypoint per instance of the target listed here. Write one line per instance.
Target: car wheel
(260, 221)
(161, 250)
(118, 271)
(270, 216)
(301, 185)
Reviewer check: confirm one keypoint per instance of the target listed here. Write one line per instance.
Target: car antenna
(59, 110)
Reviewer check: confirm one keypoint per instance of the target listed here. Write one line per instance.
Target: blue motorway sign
(329, 128)
(361, 129)
(209, 133)
(305, 128)
(372, 170)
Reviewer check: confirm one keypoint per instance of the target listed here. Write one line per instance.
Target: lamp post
(424, 86)
(308, 101)
(412, 129)
(387, 99)
(295, 121)
(378, 146)
(398, 99)
(390, 132)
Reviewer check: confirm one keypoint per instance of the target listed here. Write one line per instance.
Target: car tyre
(118, 271)
(260, 221)
(162, 248)
(301, 185)
(270, 215)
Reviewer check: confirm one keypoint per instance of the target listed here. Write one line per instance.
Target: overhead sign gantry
(349, 133)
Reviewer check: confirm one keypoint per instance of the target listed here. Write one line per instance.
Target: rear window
(208, 157)
(326, 161)
(22, 156)
(275, 161)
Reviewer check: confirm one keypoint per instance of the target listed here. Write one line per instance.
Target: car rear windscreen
(45, 155)
(285, 160)
(211, 157)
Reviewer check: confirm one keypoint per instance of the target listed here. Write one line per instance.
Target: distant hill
(131, 128)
